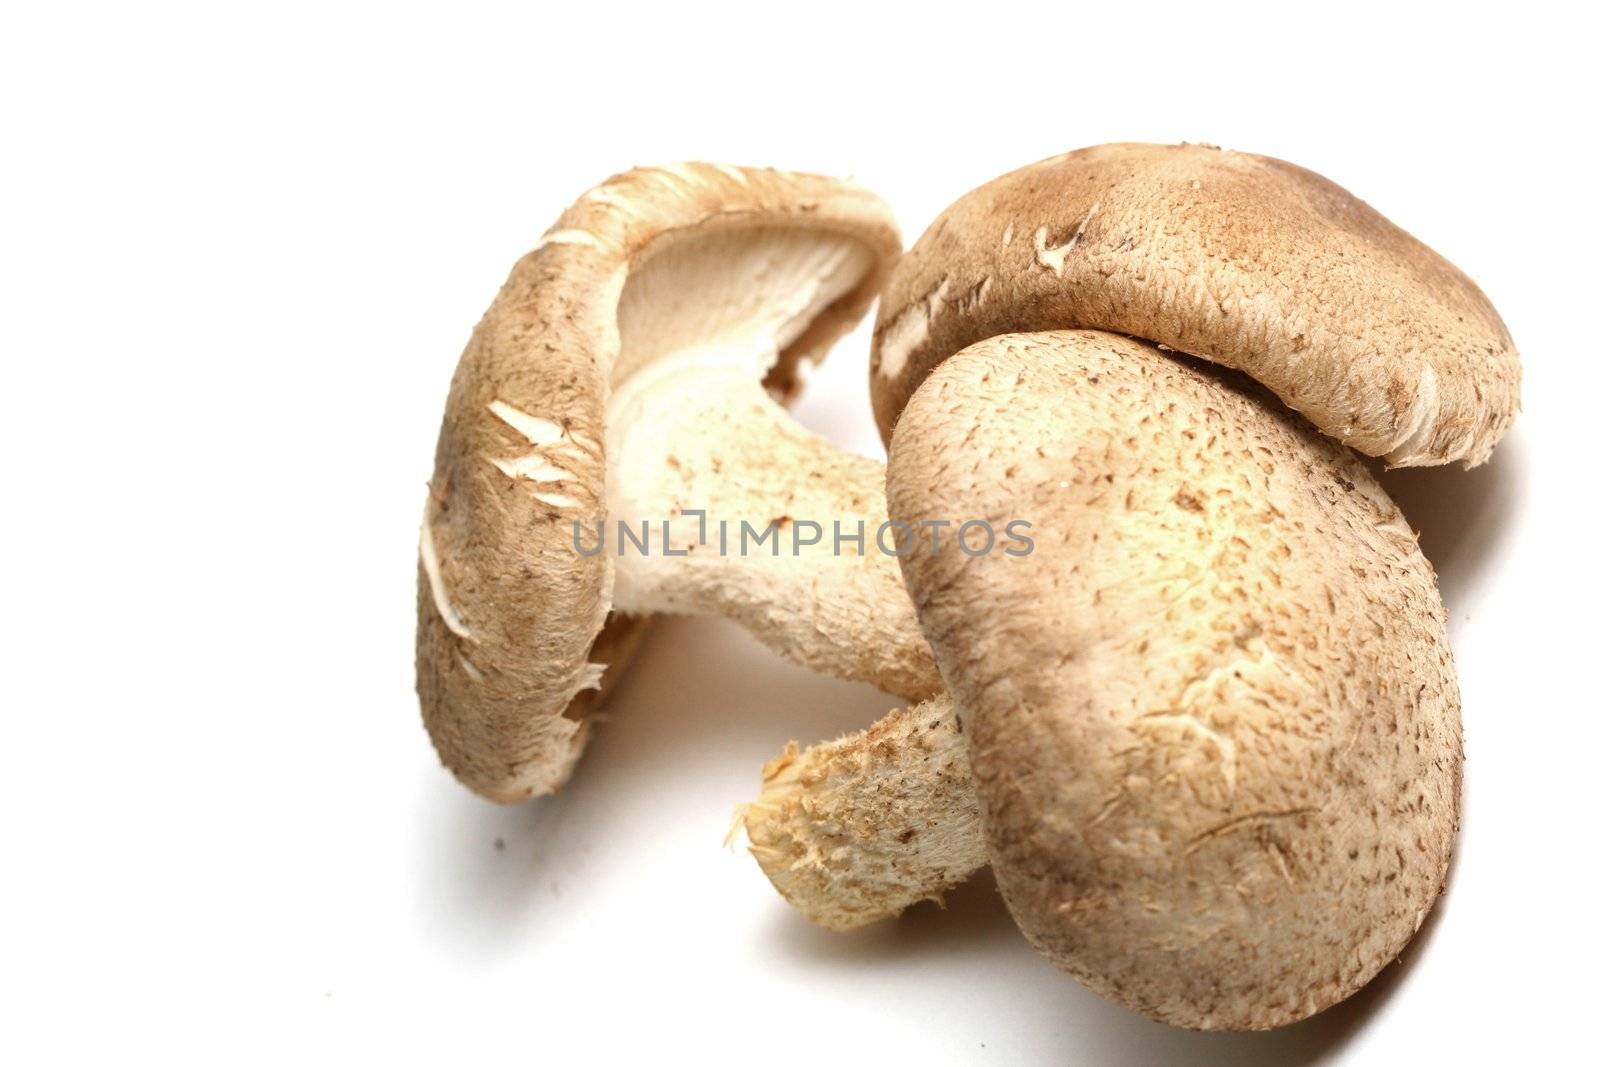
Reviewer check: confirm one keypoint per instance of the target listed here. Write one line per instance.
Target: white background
(239, 253)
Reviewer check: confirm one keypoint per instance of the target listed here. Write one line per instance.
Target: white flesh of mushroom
(691, 428)
(858, 829)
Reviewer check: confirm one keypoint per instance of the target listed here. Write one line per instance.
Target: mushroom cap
(1240, 259)
(1213, 717)
(508, 611)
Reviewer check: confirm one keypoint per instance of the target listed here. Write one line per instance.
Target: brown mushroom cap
(1212, 717)
(1240, 259)
(509, 613)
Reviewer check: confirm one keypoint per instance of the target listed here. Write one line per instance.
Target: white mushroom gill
(701, 324)
(690, 427)
(737, 296)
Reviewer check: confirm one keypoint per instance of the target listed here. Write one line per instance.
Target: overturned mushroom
(1212, 721)
(624, 373)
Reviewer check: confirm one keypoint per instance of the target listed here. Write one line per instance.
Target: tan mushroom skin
(625, 371)
(1213, 720)
(1240, 259)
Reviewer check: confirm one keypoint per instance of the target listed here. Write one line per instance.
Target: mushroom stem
(858, 829)
(721, 504)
